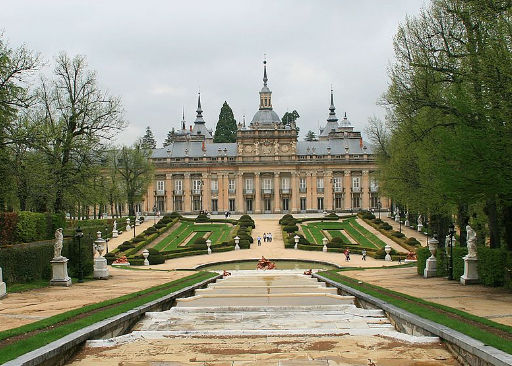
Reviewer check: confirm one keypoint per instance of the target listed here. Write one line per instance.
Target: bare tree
(76, 118)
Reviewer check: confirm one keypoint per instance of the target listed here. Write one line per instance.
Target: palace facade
(267, 170)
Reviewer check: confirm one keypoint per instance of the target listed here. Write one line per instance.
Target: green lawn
(219, 233)
(54, 331)
(313, 233)
(427, 310)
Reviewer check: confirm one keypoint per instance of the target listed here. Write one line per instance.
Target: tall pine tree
(226, 127)
(148, 140)
(170, 138)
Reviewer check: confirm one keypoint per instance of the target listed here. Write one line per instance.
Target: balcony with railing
(319, 189)
(249, 191)
(214, 192)
(303, 189)
(338, 189)
(196, 192)
(232, 190)
(356, 189)
(266, 191)
(285, 191)
(178, 192)
(160, 192)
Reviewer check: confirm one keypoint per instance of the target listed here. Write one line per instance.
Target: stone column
(314, 194)
(225, 197)
(187, 197)
(257, 194)
(277, 193)
(3, 289)
(365, 191)
(206, 191)
(309, 192)
(295, 192)
(239, 186)
(347, 184)
(328, 191)
(168, 194)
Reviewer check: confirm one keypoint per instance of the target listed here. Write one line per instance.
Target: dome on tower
(266, 116)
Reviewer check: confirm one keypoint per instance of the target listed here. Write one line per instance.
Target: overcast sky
(156, 55)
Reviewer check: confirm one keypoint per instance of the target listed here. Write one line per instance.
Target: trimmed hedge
(494, 266)
(26, 226)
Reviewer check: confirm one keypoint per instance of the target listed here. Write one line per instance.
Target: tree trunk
(462, 221)
(492, 220)
(507, 223)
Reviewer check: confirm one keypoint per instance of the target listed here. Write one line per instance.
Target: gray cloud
(156, 54)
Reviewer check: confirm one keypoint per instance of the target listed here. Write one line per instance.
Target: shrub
(332, 215)
(412, 241)
(31, 226)
(291, 228)
(493, 265)
(335, 242)
(173, 215)
(397, 234)
(285, 219)
(367, 215)
(8, 224)
(245, 236)
(159, 226)
(244, 244)
(110, 257)
(155, 257)
(202, 218)
(150, 230)
(421, 254)
(385, 226)
(138, 239)
(200, 241)
(378, 221)
(126, 246)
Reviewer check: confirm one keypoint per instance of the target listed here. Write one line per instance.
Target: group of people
(267, 238)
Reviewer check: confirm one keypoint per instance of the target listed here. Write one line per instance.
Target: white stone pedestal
(397, 218)
(60, 275)
(100, 268)
(470, 275)
(387, 249)
(406, 223)
(3, 288)
(115, 233)
(430, 268)
(420, 228)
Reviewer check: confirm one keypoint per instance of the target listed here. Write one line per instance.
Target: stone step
(209, 300)
(266, 290)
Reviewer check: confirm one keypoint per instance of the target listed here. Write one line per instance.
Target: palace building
(267, 170)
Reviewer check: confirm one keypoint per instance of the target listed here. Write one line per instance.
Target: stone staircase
(261, 318)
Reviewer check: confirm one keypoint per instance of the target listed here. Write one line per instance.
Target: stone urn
(128, 227)
(145, 253)
(432, 246)
(237, 241)
(296, 238)
(431, 265)
(99, 244)
(324, 241)
(100, 264)
(387, 249)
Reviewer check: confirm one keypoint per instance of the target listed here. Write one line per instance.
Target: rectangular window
(303, 203)
(197, 204)
(160, 185)
(232, 204)
(231, 185)
(248, 205)
(215, 205)
(374, 186)
(268, 205)
(178, 204)
(196, 184)
(338, 203)
(302, 184)
(214, 185)
(285, 183)
(320, 203)
(320, 182)
(337, 184)
(178, 185)
(356, 184)
(356, 201)
(267, 183)
(249, 184)
(286, 204)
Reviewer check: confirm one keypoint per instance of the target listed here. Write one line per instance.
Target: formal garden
(338, 233)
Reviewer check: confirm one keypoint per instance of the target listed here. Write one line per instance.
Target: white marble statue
(59, 238)
(419, 220)
(115, 225)
(471, 242)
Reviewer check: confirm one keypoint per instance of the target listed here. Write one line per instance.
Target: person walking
(348, 254)
(269, 237)
(264, 237)
(259, 240)
(364, 254)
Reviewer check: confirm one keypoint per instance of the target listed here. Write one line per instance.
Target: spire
(199, 111)
(183, 127)
(332, 114)
(265, 73)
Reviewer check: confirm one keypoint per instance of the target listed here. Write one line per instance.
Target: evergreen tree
(311, 136)
(148, 140)
(290, 117)
(170, 137)
(226, 127)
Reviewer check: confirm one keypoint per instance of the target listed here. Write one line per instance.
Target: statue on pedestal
(419, 220)
(115, 225)
(471, 242)
(57, 249)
